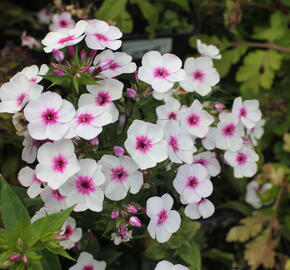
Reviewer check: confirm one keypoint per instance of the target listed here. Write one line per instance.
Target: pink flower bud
(58, 72)
(58, 55)
(219, 106)
(95, 141)
(115, 214)
(134, 221)
(122, 230)
(15, 257)
(131, 93)
(118, 151)
(24, 258)
(71, 51)
(93, 53)
(136, 75)
(85, 68)
(83, 54)
(131, 209)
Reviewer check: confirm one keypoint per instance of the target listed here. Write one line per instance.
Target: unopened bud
(83, 54)
(118, 151)
(131, 93)
(58, 55)
(58, 72)
(115, 214)
(131, 209)
(15, 257)
(95, 141)
(134, 221)
(24, 258)
(71, 51)
(219, 106)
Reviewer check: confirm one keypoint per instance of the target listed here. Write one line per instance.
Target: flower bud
(95, 141)
(83, 54)
(131, 93)
(123, 230)
(71, 51)
(118, 151)
(24, 258)
(15, 257)
(58, 72)
(115, 214)
(58, 55)
(85, 68)
(219, 106)
(131, 209)
(134, 221)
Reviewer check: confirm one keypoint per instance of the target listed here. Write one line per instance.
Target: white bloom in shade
(253, 189)
(163, 221)
(248, 111)
(166, 265)
(122, 175)
(112, 64)
(201, 76)
(57, 162)
(243, 161)
(83, 189)
(53, 199)
(180, 144)
(100, 35)
(161, 71)
(49, 117)
(211, 51)
(229, 133)
(163, 96)
(64, 37)
(208, 142)
(169, 111)
(33, 73)
(192, 184)
(27, 178)
(72, 234)
(86, 262)
(103, 95)
(195, 120)
(62, 21)
(145, 144)
(42, 212)
(44, 16)
(17, 93)
(209, 161)
(204, 208)
(88, 122)
(257, 131)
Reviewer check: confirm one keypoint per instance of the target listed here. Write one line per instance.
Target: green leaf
(86, 79)
(111, 9)
(50, 261)
(182, 3)
(13, 211)
(63, 80)
(155, 251)
(56, 249)
(4, 259)
(125, 22)
(191, 255)
(219, 255)
(243, 208)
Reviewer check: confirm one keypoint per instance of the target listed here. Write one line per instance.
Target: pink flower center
(229, 130)
(114, 66)
(119, 174)
(200, 202)
(101, 37)
(49, 116)
(20, 99)
(241, 158)
(55, 194)
(172, 115)
(34, 79)
(201, 161)
(88, 267)
(103, 98)
(173, 143)
(161, 72)
(143, 144)
(59, 163)
(85, 185)
(243, 112)
(35, 179)
(162, 217)
(68, 231)
(63, 23)
(198, 75)
(85, 119)
(193, 119)
(192, 182)
(66, 39)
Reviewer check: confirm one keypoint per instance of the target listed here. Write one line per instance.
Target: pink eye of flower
(192, 182)
(119, 174)
(55, 194)
(143, 144)
(172, 115)
(201, 161)
(114, 66)
(85, 119)
(63, 23)
(68, 231)
(101, 37)
(59, 163)
(66, 39)
(200, 202)
(229, 130)
(162, 217)
(198, 75)
(20, 99)
(243, 112)
(193, 119)
(161, 72)
(103, 98)
(35, 179)
(173, 143)
(241, 158)
(85, 185)
(34, 79)
(88, 267)
(49, 116)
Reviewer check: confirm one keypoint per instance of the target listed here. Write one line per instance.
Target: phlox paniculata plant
(90, 144)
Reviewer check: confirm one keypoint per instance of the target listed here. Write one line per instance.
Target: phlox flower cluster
(190, 140)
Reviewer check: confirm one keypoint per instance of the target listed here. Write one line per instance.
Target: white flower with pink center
(122, 175)
(202, 209)
(53, 199)
(208, 142)
(192, 183)
(166, 265)
(161, 71)
(180, 144)
(145, 144)
(169, 111)
(257, 131)
(229, 133)
(100, 35)
(44, 16)
(27, 178)
(71, 233)
(64, 37)
(163, 96)
(211, 51)
(57, 162)
(243, 161)
(209, 161)
(33, 73)
(61, 21)
(248, 111)
(88, 122)
(42, 212)
(86, 261)
(201, 76)
(83, 189)
(103, 95)
(49, 117)
(195, 120)
(112, 64)
(163, 221)
(17, 93)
